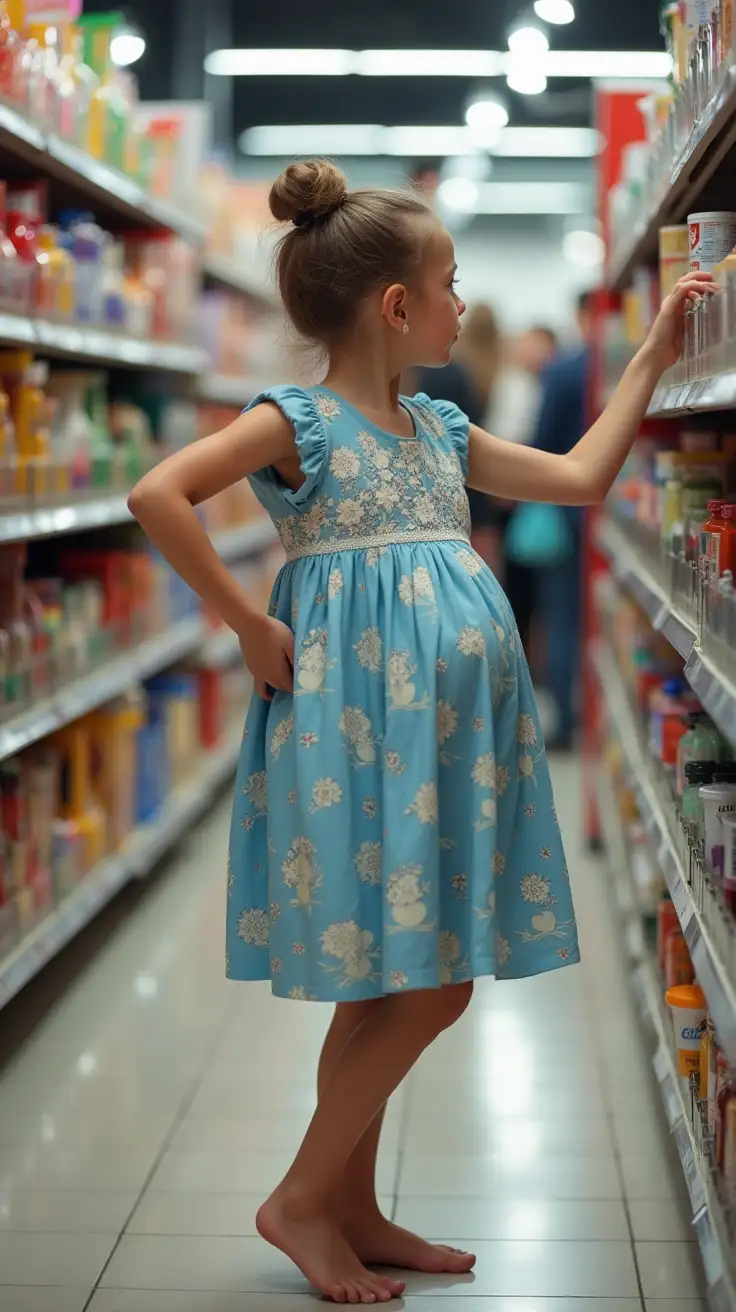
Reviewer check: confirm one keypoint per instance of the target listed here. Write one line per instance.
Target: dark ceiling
(180, 32)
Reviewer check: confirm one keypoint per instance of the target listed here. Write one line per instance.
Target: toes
(337, 1293)
(379, 1292)
(394, 1287)
(367, 1295)
(353, 1293)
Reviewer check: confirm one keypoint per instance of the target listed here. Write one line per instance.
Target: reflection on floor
(149, 1111)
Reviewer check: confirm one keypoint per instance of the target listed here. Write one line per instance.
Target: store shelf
(245, 540)
(219, 271)
(711, 141)
(719, 987)
(221, 649)
(703, 394)
(714, 686)
(105, 189)
(145, 847)
(79, 342)
(228, 389)
(107, 681)
(75, 517)
(632, 574)
(100, 685)
(709, 1221)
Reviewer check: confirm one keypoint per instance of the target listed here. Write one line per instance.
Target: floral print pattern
(393, 826)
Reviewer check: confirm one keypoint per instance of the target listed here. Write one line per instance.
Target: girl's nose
(461, 307)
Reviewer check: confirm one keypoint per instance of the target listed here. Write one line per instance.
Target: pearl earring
(405, 329)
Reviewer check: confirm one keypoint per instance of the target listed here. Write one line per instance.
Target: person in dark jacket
(560, 424)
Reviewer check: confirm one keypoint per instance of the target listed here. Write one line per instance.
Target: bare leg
(299, 1216)
(376, 1240)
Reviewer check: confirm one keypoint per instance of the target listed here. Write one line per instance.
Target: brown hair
(479, 348)
(343, 245)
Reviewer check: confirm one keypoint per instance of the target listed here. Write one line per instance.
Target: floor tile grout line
(184, 1106)
(607, 890)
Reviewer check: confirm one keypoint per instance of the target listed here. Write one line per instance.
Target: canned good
(712, 237)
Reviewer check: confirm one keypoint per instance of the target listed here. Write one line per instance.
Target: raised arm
(163, 503)
(586, 474)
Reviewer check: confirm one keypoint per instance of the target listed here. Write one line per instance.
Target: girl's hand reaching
(665, 341)
(268, 648)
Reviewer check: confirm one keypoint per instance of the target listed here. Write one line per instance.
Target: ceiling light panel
(554, 11)
(430, 63)
(531, 198)
(624, 64)
(281, 63)
(348, 139)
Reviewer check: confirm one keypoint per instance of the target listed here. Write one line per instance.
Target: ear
(394, 308)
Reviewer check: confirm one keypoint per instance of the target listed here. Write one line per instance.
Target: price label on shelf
(710, 1248)
(692, 934)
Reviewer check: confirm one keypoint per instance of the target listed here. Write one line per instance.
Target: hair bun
(307, 190)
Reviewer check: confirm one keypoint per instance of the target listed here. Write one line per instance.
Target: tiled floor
(146, 1113)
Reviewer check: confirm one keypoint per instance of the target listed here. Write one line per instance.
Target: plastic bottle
(114, 301)
(727, 540)
(108, 108)
(87, 247)
(11, 81)
(688, 1006)
(700, 742)
(72, 435)
(8, 452)
(24, 215)
(14, 282)
(710, 541)
(698, 774)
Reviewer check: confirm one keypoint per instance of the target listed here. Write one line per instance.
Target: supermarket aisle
(159, 1102)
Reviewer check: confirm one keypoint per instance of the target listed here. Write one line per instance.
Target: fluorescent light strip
(371, 139)
(548, 143)
(281, 63)
(532, 198)
(430, 63)
(626, 64)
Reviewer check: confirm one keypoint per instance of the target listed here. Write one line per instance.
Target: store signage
(52, 11)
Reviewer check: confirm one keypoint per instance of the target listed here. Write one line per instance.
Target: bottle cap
(715, 505)
(700, 772)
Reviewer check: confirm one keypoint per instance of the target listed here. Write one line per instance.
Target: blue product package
(152, 772)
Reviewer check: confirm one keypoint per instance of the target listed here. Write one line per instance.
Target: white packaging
(719, 800)
(712, 238)
(728, 827)
(688, 1008)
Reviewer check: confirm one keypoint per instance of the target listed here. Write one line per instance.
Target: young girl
(394, 834)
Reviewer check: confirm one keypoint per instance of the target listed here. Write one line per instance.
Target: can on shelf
(674, 255)
(712, 238)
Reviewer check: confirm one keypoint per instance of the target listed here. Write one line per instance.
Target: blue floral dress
(394, 826)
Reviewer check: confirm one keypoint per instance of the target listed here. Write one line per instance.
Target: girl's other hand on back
(666, 338)
(268, 648)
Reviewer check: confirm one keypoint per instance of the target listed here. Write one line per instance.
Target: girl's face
(433, 308)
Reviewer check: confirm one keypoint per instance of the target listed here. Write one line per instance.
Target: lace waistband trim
(374, 541)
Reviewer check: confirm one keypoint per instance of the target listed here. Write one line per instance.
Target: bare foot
(381, 1243)
(314, 1243)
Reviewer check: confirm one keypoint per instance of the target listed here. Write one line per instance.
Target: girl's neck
(367, 384)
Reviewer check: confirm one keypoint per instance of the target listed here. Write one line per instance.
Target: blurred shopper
(394, 740)
(560, 424)
(513, 417)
